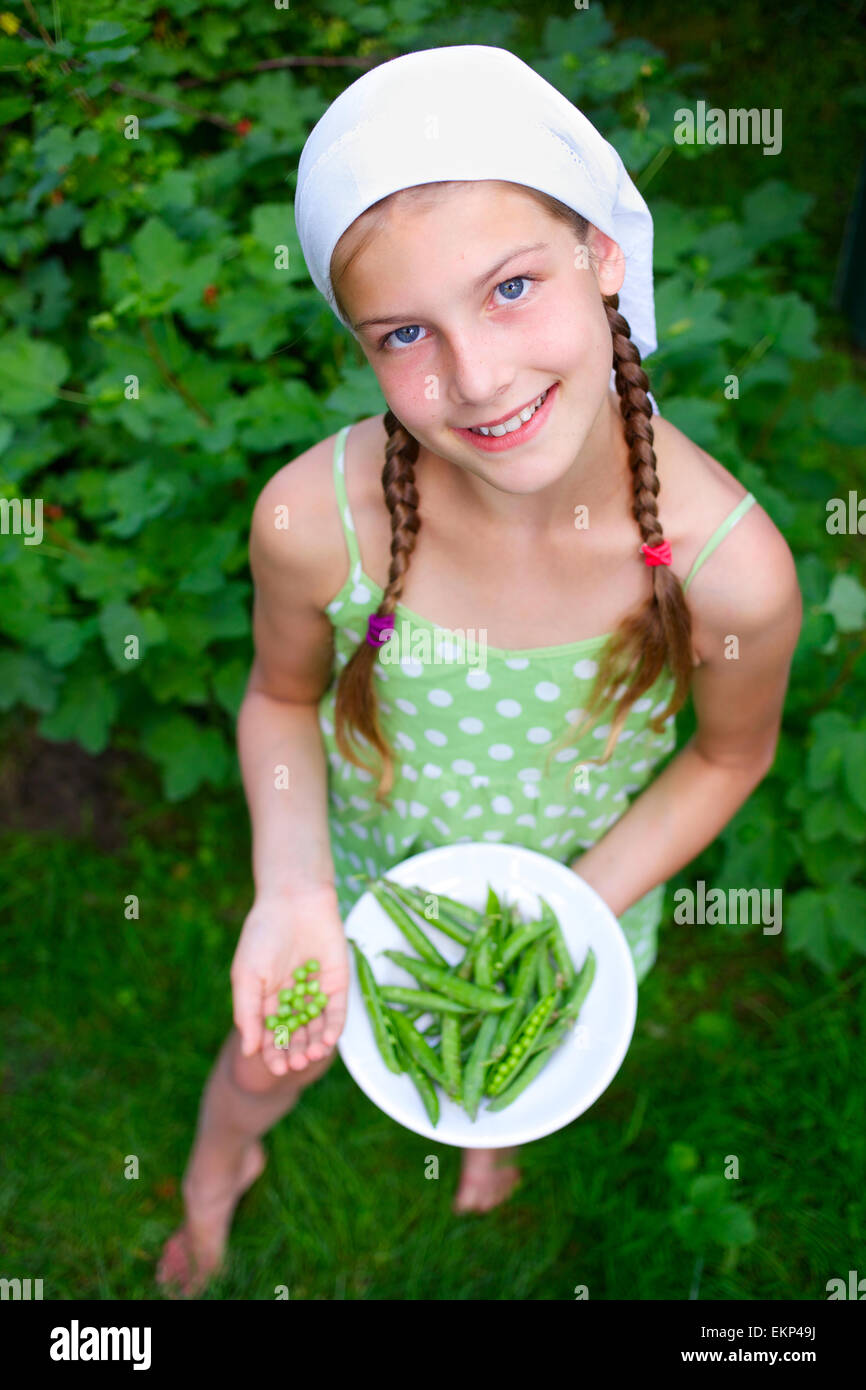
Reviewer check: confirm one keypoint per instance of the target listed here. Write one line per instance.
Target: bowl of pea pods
(492, 995)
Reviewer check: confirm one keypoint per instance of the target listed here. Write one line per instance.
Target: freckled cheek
(410, 391)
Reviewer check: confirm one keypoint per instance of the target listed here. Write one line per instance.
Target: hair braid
(659, 631)
(356, 704)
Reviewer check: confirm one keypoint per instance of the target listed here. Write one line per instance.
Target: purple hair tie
(378, 628)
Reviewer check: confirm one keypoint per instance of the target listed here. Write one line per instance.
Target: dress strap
(719, 535)
(343, 499)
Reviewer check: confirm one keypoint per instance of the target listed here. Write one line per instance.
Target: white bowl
(588, 1058)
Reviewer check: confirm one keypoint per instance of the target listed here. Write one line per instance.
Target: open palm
(280, 933)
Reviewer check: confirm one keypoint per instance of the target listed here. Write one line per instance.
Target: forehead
(433, 201)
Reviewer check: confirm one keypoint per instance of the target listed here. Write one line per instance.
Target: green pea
(293, 1024)
(312, 965)
(284, 1011)
(303, 1017)
(300, 973)
(271, 1021)
(285, 996)
(313, 987)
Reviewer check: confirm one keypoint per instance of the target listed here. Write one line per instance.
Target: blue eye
(413, 328)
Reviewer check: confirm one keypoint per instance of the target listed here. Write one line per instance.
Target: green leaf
(687, 318)
(101, 57)
(14, 107)
(187, 753)
(24, 680)
(724, 247)
(846, 603)
(104, 31)
(841, 414)
(847, 913)
(821, 819)
(205, 574)
(168, 675)
(137, 494)
(774, 212)
(118, 621)
(830, 862)
(229, 685)
(824, 758)
(698, 419)
(101, 571)
(160, 257)
(809, 929)
(31, 370)
(854, 766)
(84, 714)
(792, 323)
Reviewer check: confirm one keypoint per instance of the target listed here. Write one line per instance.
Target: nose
(480, 383)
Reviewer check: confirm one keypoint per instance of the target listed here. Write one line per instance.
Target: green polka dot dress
(470, 727)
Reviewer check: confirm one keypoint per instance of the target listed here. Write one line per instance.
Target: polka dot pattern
(484, 749)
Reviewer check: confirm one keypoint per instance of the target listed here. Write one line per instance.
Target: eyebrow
(411, 317)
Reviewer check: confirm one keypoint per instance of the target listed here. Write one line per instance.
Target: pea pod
(516, 1058)
(376, 1010)
(511, 1019)
(474, 1072)
(415, 1045)
(461, 911)
(579, 990)
(451, 1054)
(495, 910)
(545, 969)
(540, 1056)
(564, 963)
(486, 929)
(484, 964)
(469, 1028)
(426, 1090)
(423, 1084)
(415, 899)
(521, 938)
(412, 932)
(551, 1037)
(422, 1001)
(450, 985)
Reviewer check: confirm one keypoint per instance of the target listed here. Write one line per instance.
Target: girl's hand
(280, 933)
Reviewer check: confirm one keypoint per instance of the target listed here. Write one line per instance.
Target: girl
(494, 260)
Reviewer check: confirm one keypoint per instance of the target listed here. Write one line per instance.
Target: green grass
(112, 1027)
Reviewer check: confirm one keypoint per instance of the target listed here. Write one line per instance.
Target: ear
(608, 259)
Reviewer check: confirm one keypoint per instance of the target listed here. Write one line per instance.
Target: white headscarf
(469, 112)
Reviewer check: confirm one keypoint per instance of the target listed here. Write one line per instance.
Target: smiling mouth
(514, 422)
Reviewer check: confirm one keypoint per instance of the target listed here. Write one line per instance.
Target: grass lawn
(111, 1027)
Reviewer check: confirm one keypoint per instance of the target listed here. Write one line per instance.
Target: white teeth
(516, 420)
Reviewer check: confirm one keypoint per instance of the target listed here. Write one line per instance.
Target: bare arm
(747, 590)
(295, 914)
(280, 748)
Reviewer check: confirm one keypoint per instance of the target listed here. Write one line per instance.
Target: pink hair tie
(378, 628)
(657, 554)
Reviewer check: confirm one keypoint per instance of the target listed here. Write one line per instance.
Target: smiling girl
(498, 277)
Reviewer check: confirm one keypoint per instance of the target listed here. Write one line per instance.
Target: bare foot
(194, 1254)
(486, 1179)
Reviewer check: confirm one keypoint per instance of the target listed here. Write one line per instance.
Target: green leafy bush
(163, 352)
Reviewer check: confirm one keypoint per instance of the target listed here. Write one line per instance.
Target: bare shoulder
(750, 577)
(296, 529)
